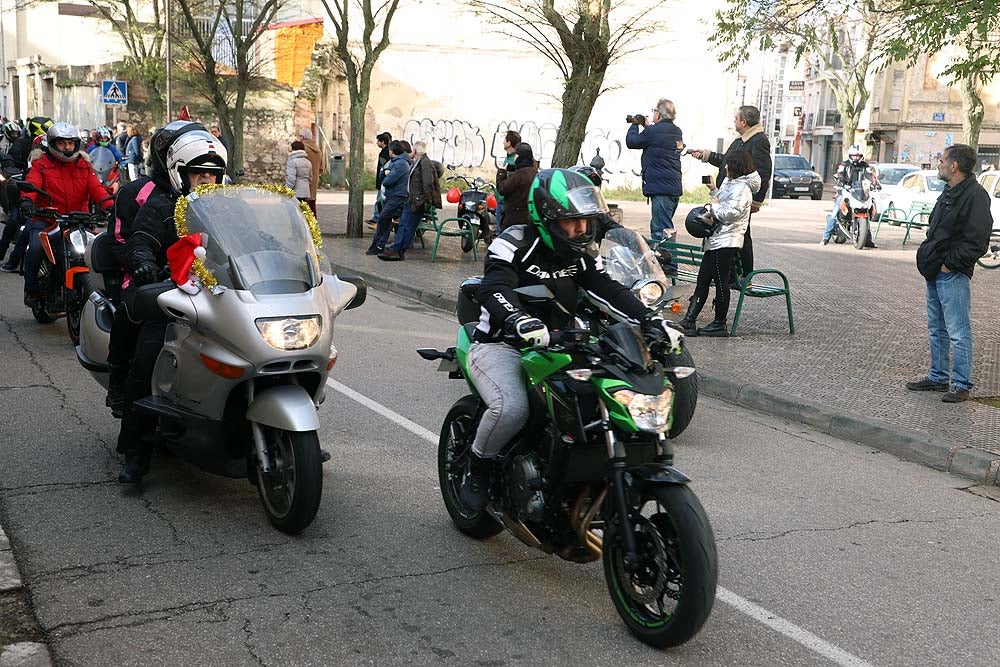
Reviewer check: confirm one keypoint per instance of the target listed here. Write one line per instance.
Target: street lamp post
(166, 6)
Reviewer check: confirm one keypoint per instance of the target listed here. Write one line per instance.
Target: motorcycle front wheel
(860, 232)
(685, 392)
(469, 240)
(454, 446)
(668, 595)
(75, 309)
(291, 490)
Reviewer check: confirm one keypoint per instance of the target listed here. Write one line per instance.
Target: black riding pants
(137, 428)
(715, 267)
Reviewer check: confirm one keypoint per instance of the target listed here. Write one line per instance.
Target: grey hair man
(424, 195)
(661, 144)
(746, 122)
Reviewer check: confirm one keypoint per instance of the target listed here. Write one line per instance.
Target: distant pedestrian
(316, 158)
(217, 133)
(382, 141)
(298, 171)
(121, 137)
(753, 139)
(958, 234)
(661, 143)
(133, 152)
(514, 183)
(510, 141)
(395, 175)
(423, 194)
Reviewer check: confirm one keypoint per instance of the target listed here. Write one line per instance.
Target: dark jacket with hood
(515, 186)
(661, 145)
(959, 230)
(424, 187)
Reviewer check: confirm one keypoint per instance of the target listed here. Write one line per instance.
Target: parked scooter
(476, 204)
(248, 347)
(857, 210)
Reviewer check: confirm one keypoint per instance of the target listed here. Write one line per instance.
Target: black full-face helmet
(563, 194)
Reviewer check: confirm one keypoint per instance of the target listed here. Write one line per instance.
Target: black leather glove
(146, 272)
(26, 206)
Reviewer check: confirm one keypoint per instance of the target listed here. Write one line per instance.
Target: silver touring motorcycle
(248, 346)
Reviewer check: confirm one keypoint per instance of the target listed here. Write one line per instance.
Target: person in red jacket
(71, 186)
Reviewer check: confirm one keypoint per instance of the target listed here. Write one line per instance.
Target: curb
(976, 464)
(21, 654)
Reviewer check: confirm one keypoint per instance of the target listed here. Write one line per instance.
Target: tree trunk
(577, 104)
(972, 110)
(356, 165)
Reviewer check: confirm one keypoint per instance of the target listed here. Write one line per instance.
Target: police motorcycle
(477, 207)
(249, 345)
(62, 273)
(857, 210)
(591, 475)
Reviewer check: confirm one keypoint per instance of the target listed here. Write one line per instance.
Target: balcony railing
(831, 118)
(223, 46)
(808, 124)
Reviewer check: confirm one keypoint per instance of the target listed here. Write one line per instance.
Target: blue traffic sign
(114, 92)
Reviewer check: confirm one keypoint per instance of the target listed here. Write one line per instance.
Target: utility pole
(166, 6)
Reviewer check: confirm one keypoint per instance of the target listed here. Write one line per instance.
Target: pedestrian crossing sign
(114, 92)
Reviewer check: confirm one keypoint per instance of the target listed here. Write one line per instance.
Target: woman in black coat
(514, 183)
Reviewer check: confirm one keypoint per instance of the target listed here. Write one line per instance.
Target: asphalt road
(830, 553)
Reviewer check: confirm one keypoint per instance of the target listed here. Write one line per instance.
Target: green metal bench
(686, 255)
(918, 216)
(458, 227)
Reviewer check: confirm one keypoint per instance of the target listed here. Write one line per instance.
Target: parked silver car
(889, 176)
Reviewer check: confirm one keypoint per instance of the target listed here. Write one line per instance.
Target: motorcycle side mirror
(451, 166)
(362, 287)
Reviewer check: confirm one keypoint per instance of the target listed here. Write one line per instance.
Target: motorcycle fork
(617, 488)
(263, 460)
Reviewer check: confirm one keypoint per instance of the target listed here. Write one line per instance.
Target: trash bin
(338, 171)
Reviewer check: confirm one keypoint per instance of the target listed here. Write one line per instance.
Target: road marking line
(741, 604)
(790, 630)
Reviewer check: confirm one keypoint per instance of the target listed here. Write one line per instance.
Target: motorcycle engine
(526, 487)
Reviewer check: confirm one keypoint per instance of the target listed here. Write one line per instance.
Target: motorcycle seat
(142, 305)
(102, 258)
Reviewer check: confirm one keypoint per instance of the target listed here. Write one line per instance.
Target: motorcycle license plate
(802, 189)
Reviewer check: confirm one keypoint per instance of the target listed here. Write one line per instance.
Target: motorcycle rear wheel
(678, 568)
(454, 446)
(291, 491)
(991, 260)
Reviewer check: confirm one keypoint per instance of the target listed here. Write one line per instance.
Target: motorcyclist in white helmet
(852, 169)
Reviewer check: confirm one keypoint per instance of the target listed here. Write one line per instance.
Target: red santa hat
(181, 256)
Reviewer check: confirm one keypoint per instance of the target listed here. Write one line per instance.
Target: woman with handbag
(722, 224)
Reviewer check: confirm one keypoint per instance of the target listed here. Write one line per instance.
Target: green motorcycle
(591, 474)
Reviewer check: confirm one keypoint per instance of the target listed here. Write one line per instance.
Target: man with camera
(661, 145)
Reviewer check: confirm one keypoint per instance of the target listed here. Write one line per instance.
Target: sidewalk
(861, 333)
(20, 640)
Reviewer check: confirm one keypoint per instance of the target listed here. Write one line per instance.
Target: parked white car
(990, 180)
(917, 187)
(889, 176)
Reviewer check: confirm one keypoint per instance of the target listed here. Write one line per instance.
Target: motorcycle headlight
(290, 333)
(78, 241)
(648, 291)
(650, 413)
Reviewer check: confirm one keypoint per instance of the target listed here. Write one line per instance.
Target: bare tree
(839, 38)
(358, 54)
(577, 37)
(226, 30)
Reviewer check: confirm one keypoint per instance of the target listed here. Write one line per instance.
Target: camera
(637, 119)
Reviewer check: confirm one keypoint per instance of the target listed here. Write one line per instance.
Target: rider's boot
(475, 490)
(116, 391)
(716, 328)
(136, 465)
(689, 323)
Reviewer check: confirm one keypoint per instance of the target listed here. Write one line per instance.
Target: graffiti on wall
(462, 144)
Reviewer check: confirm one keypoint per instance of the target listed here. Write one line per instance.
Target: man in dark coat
(957, 236)
(424, 193)
(753, 139)
(661, 145)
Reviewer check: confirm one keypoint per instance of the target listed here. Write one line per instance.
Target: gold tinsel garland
(180, 221)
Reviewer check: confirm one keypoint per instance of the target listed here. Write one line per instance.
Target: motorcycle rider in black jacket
(192, 158)
(564, 207)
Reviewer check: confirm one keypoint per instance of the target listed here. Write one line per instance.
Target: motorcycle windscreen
(103, 161)
(257, 240)
(628, 259)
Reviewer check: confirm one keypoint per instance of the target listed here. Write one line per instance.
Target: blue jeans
(663, 215)
(407, 228)
(33, 260)
(391, 208)
(831, 219)
(949, 304)
(499, 217)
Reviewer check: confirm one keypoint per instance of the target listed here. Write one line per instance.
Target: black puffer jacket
(959, 230)
(519, 258)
